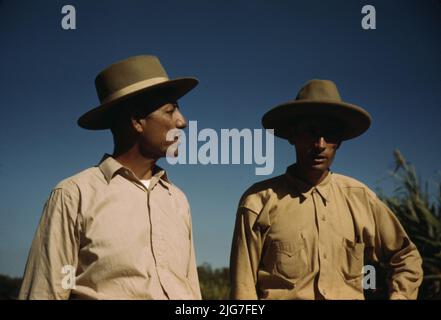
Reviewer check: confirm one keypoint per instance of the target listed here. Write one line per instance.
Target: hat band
(133, 87)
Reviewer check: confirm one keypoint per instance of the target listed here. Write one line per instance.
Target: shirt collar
(111, 167)
(305, 189)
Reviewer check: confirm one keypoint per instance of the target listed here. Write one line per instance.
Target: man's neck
(142, 167)
(312, 177)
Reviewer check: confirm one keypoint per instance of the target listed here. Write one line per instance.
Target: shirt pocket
(352, 262)
(292, 260)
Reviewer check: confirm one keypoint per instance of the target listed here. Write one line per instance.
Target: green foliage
(9, 287)
(421, 218)
(215, 284)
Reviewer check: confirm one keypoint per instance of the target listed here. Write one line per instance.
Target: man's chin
(322, 167)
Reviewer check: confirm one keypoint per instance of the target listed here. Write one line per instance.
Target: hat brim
(101, 117)
(355, 119)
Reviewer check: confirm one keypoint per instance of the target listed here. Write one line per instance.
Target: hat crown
(319, 90)
(318, 98)
(128, 72)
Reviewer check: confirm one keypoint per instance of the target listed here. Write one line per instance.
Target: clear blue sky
(248, 55)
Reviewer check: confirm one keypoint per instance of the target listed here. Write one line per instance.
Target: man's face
(153, 130)
(316, 140)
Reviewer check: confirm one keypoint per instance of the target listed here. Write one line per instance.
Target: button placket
(322, 238)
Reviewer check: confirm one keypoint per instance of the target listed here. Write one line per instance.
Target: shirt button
(324, 292)
(323, 218)
(324, 256)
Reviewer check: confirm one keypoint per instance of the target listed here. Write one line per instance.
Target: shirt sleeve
(192, 274)
(52, 261)
(245, 255)
(400, 254)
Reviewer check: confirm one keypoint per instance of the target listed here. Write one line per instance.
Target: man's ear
(136, 124)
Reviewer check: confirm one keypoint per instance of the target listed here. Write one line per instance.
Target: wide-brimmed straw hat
(135, 76)
(318, 98)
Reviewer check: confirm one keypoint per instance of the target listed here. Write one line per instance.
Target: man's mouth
(319, 159)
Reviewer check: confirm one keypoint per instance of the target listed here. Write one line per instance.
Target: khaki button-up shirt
(296, 241)
(120, 240)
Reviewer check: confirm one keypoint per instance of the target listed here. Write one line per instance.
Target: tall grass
(215, 283)
(421, 218)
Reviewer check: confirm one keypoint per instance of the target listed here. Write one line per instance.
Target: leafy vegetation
(421, 218)
(215, 283)
(9, 287)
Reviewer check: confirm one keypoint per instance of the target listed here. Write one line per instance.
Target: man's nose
(320, 143)
(181, 122)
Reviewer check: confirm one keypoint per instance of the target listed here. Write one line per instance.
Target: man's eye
(173, 107)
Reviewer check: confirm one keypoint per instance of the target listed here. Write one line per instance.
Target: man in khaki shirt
(307, 234)
(120, 230)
